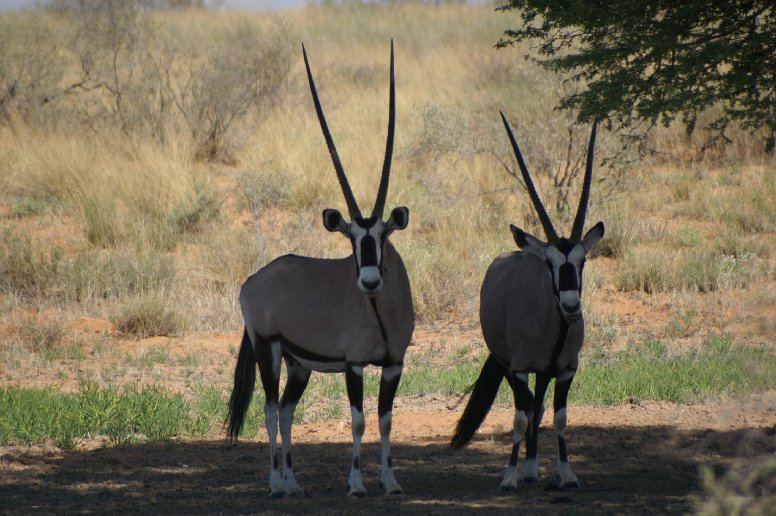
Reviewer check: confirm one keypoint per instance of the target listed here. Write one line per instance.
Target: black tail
(484, 392)
(244, 381)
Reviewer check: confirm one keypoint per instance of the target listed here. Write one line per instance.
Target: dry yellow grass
(126, 194)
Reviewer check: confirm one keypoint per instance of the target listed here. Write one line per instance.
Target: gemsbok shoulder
(531, 318)
(329, 315)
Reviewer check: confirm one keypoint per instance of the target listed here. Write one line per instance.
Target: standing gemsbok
(329, 315)
(531, 317)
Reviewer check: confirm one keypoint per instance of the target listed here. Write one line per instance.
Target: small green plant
(149, 357)
(29, 206)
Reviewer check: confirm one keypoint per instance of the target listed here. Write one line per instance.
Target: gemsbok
(531, 318)
(329, 315)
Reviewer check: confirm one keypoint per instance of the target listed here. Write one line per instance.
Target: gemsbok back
(531, 317)
(329, 315)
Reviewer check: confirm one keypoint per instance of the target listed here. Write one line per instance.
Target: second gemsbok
(329, 315)
(531, 317)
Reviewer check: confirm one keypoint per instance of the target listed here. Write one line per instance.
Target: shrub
(148, 316)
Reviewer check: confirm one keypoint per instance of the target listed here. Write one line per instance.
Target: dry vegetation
(149, 162)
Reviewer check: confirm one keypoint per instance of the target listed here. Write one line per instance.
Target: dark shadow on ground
(639, 470)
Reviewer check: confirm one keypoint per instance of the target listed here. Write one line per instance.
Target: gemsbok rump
(531, 318)
(329, 315)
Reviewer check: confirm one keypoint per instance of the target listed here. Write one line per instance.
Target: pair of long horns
(579, 220)
(382, 191)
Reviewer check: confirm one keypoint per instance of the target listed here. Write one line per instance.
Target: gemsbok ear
(399, 219)
(592, 237)
(527, 242)
(333, 221)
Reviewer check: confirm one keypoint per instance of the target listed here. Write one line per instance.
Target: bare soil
(634, 458)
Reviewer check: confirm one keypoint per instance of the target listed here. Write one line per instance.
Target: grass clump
(40, 334)
(746, 488)
(149, 316)
(28, 269)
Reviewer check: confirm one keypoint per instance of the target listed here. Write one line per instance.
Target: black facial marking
(568, 277)
(368, 252)
(365, 223)
(565, 246)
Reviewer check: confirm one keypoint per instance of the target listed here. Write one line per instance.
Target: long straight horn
(579, 220)
(549, 230)
(382, 191)
(350, 200)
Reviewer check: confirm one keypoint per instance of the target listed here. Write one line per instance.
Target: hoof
(574, 484)
(276, 495)
(395, 492)
(531, 480)
(507, 489)
(357, 494)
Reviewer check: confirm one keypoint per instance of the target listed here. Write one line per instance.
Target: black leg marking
(515, 454)
(355, 387)
(288, 461)
(275, 461)
(356, 463)
(388, 388)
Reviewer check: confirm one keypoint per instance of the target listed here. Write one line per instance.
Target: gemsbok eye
(528, 303)
(310, 313)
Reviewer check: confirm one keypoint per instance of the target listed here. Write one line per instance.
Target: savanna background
(152, 159)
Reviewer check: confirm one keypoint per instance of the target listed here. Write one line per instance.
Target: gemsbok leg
(298, 376)
(269, 357)
(354, 381)
(566, 476)
(531, 472)
(523, 401)
(389, 383)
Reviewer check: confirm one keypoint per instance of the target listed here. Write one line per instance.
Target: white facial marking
(569, 298)
(577, 255)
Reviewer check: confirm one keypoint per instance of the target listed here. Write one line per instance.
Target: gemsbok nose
(371, 286)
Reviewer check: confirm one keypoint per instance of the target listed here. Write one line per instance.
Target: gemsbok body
(531, 318)
(329, 315)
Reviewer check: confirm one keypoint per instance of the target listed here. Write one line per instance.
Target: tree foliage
(651, 61)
